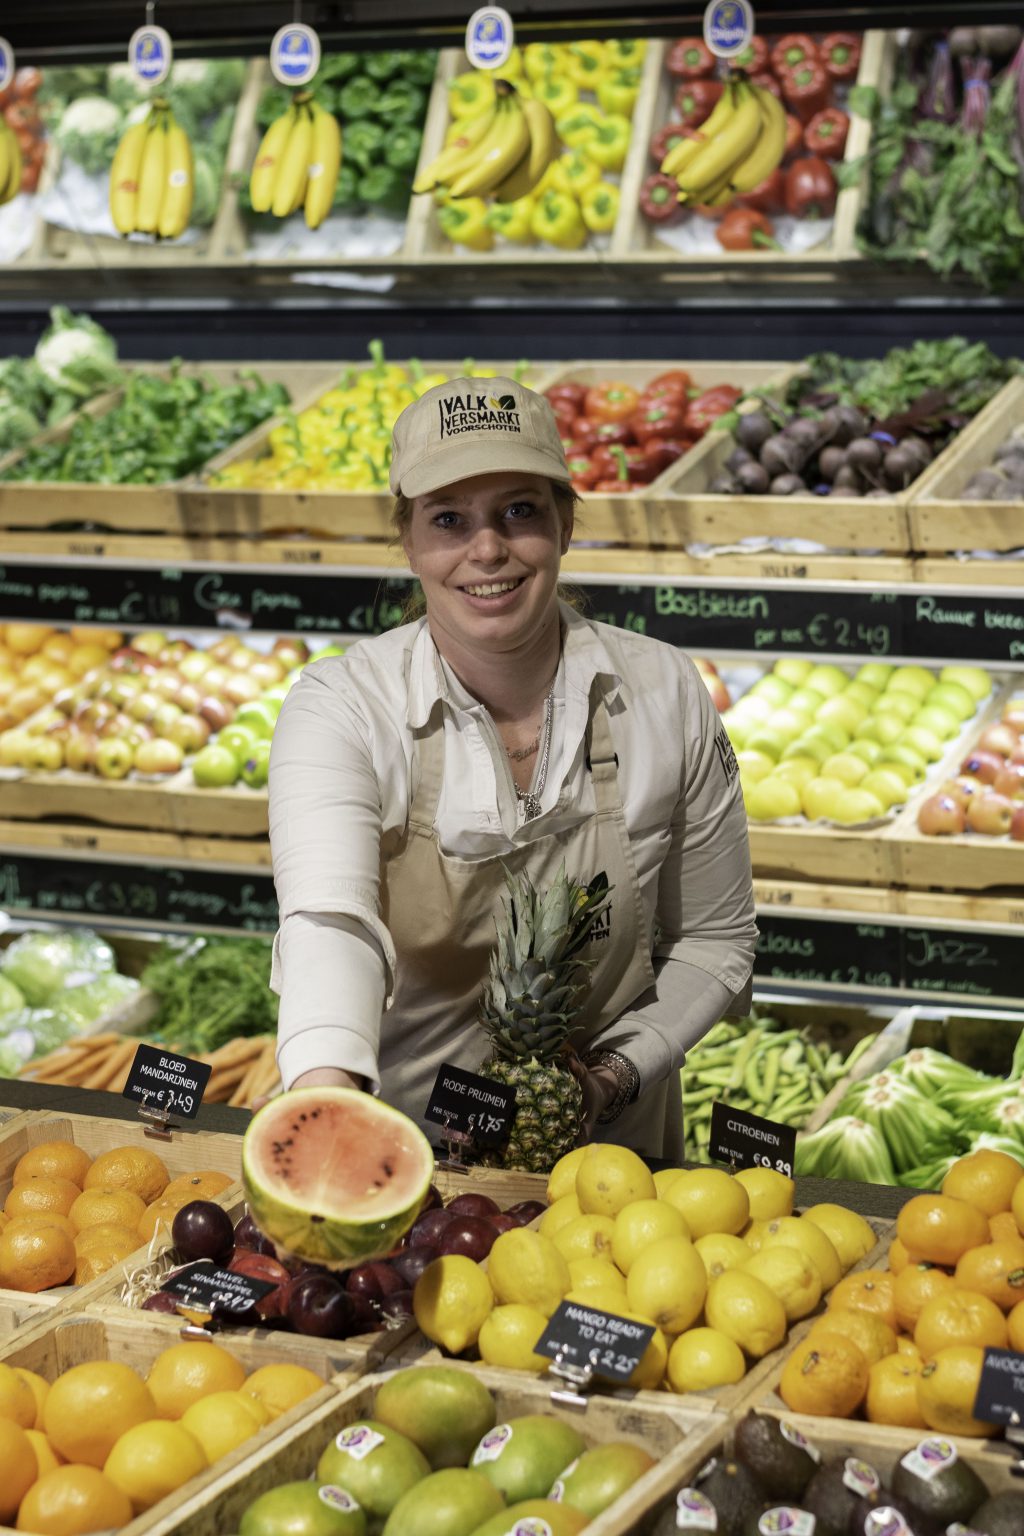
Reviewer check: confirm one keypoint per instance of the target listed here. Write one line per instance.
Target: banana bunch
(151, 180)
(297, 163)
(738, 147)
(10, 162)
(502, 152)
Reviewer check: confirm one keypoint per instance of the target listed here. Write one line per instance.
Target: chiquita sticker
(694, 1512)
(492, 1444)
(358, 1440)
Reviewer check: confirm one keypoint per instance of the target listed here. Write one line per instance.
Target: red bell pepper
(582, 472)
(573, 392)
(661, 394)
(755, 56)
(711, 404)
(791, 51)
(806, 89)
(659, 199)
(615, 486)
(26, 83)
(611, 401)
(675, 378)
(608, 433)
(794, 134)
(661, 418)
(810, 189)
(767, 81)
(840, 54)
(663, 451)
(695, 99)
(826, 133)
(745, 229)
(621, 462)
(691, 59)
(769, 196)
(565, 416)
(665, 139)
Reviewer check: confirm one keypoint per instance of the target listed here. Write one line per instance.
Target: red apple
(190, 732)
(241, 689)
(194, 665)
(175, 651)
(1017, 825)
(999, 738)
(982, 764)
(117, 725)
(1010, 782)
(990, 814)
(267, 671)
(216, 713)
(144, 705)
(95, 712)
(1017, 755)
(291, 652)
(940, 816)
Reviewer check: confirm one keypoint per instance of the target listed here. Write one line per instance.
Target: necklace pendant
(531, 805)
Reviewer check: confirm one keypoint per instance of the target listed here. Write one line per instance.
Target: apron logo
(476, 413)
(726, 755)
(602, 926)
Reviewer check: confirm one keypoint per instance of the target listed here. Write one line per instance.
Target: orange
(134, 1168)
(47, 1459)
(996, 1270)
(17, 1399)
(892, 1392)
(72, 1501)
(985, 1179)
(197, 1186)
(90, 1406)
(159, 1216)
(871, 1290)
(959, 1317)
(946, 1390)
(1002, 1227)
(280, 1387)
(102, 1256)
(906, 1346)
(183, 1374)
(53, 1159)
(827, 1377)
(4, 1220)
(871, 1333)
(39, 1387)
(153, 1460)
(91, 1239)
(938, 1229)
(914, 1286)
(899, 1258)
(35, 1258)
(41, 1194)
(1015, 1327)
(17, 1468)
(41, 1219)
(101, 1206)
(1017, 1206)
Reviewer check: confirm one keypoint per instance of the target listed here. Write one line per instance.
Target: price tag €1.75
(471, 1105)
(162, 1080)
(584, 1336)
(202, 1287)
(749, 1141)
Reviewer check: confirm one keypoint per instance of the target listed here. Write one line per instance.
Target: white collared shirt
(341, 780)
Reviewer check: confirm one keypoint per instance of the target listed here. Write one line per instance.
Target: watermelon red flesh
(333, 1175)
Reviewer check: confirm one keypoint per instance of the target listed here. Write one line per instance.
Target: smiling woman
(502, 735)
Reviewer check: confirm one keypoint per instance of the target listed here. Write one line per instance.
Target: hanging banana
(151, 178)
(10, 162)
(297, 163)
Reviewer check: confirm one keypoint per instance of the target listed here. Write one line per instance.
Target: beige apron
(440, 911)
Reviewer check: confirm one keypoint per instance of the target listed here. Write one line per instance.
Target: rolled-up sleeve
(333, 956)
(706, 934)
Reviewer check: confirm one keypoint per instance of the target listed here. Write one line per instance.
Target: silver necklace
(529, 799)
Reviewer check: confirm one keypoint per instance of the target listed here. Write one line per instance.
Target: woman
(503, 731)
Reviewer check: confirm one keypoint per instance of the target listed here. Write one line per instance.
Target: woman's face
(487, 552)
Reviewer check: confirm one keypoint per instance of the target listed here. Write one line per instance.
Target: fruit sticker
(931, 1457)
(358, 1440)
(728, 27)
(149, 55)
(793, 1435)
(337, 1498)
(786, 1522)
(6, 63)
(886, 1521)
(492, 1444)
(294, 54)
(860, 1478)
(531, 1526)
(694, 1512)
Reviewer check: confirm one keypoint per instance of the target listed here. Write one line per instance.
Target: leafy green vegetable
(17, 423)
(212, 991)
(76, 356)
(83, 1005)
(15, 1050)
(950, 378)
(41, 964)
(11, 997)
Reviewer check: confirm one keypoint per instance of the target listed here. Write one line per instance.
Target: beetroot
(473, 1205)
(468, 1235)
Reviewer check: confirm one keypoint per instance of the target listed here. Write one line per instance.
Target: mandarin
(91, 1405)
(158, 1217)
(959, 1317)
(42, 1219)
(39, 1387)
(186, 1372)
(102, 1236)
(47, 1459)
(996, 1270)
(986, 1179)
(937, 1229)
(17, 1468)
(1015, 1327)
(915, 1285)
(892, 1392)
(899, 1258)
(103, 1207)
(17, 1399)
(947, 1388)
(53, 1159)
(102, 1256)
(197, 1186)
(73, 1501)
(1002, 1228)
(35, 1258)
(41, 1195)
(134, 1168)
(826, 1376)
(870, 1290)
(871, 1333)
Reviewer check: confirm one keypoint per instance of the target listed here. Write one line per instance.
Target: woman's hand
(600, 1085)
(318, 1077)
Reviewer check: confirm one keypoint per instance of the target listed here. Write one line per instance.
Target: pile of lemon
(717, 1263)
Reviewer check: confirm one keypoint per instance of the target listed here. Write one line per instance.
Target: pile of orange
(69, 1218)
(905, 1345)
(100, 1445)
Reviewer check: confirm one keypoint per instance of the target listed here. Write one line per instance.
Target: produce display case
(981, 1038)
(941, 522)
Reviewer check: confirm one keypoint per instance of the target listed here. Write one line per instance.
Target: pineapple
(529, 1005)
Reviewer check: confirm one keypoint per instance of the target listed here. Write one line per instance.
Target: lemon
(701, 1358)
(585, 1237)
(562, 1178)
(667, 1283)
(770, 1193)
(222, 1421)
(665, 1178)
(791, 1275)
(710, 1201)
(586, 1274)
(508, 1336)
(605, 1298)
(850, 1235)
(640, 1223)
(720, 1251)
(560, 1214)
(795, 1232)
(650, 1373)
(525, 1267)
(451, 1299)
(743, 1308)
(610, 1177)
(153, 1459)
(753, 1235)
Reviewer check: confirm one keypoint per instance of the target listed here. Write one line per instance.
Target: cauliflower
(76, 356)
(88, 132)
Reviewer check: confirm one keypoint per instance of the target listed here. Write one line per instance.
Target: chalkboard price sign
(837, 954)
(982, 965)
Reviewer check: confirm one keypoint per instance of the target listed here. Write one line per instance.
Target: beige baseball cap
(474, 427)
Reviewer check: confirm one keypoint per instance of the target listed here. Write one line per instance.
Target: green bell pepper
(346, 190)
(338, 66)
(359, 97)
(363, 142)
(610, 142)
(402, 149)
(386, 188)
(384, 65)
(401, 103)
(418, 65)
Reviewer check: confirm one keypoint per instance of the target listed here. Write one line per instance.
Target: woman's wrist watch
(626, 1076)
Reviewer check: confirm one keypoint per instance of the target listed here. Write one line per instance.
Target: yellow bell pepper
(513, 67)
(558, 221)
(579, 125)
(573, 172)
(512, 220)
(421, 381)
(464, 222)
(600, 207)
(557, 92)
(543, 59)
(381, 372)
(471, 93)
(610, 143)
(618, 90)
(621, 53)
(585, 64)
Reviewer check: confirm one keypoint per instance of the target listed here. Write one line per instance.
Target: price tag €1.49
(162, 1080)
(749, 1141)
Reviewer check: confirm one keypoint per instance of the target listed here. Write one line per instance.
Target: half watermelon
(333, 1175)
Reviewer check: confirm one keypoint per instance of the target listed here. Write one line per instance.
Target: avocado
(1001, 1515)
(834, 1492)
(775, 1454)
(733, 1490)
(953, 1492)
(872, 1517)
(687, 1501)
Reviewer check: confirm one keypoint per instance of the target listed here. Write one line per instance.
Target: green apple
(754, 766)
(771, 688)
(842, 711)
(260, 717)
(214, 767)
(924, 741)
(911, 759)
(830, 733)
(934, 718)
(952, 697)
(974, 680)
(765, 740)
(793, 670)
(820, 797)
(815, 749)
(326, 651)
(855, 805)
(845, 766)
(750, 707)
(910, 772)
(884, 729)
(737, 728)
(807, 699)
(798, 770)
(886, 785)
(870, 751)
(789, 722)
(875, 673)
(256, 768)
(915, 680)
(239, 740)
(771, 798)
(115, 757)
(903, 705)
(862, 692)
(827, 679)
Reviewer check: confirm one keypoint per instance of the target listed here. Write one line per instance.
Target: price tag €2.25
(584, 1336)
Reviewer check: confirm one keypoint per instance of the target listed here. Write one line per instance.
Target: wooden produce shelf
(72, 839)
(176, 804)
(941, 522)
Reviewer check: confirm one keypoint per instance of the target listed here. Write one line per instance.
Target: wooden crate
(636, 240)
(940, 521)
(667, 1431)
(156, 508)
(176, 805)
(56, 1344)
(425, 243)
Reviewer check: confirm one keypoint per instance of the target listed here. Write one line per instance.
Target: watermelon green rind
(334, 1176)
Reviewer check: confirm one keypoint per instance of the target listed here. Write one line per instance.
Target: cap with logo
(474, 427)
